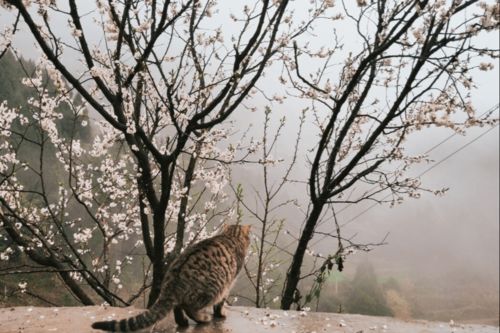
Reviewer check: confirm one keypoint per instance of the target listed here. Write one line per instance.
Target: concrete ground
(239, 320)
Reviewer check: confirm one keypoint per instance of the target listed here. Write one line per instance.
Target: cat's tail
(157, 312)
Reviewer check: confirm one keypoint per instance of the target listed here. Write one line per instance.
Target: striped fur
(200, 277)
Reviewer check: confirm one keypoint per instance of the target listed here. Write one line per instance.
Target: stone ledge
(240, 320)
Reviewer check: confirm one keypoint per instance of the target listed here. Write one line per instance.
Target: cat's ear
(225, 227)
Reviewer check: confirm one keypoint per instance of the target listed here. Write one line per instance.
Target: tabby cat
(201, 276)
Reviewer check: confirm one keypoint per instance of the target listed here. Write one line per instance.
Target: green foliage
(322, 276)
(239, 198)
(366, 295)
(11, 73)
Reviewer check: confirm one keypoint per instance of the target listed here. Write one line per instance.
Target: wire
(420, 175)
(489, 111)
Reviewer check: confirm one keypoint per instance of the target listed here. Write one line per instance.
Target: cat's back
(206, 255)
(204, 272)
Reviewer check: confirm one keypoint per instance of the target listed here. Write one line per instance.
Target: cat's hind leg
(219, 310)
(179, 316)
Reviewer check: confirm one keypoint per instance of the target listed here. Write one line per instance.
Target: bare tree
(263, 202)
(413, 71)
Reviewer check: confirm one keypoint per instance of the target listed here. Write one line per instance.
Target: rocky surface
(240, 320)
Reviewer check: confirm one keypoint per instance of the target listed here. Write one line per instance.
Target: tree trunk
(293, 275)
(159, 255)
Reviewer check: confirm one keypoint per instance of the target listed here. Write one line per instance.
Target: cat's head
(237, 230)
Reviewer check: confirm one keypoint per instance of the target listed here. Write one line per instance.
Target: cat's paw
(220, 314)
(204, 318)
(201, 317)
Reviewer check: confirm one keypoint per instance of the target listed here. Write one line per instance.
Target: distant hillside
(12, 71)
